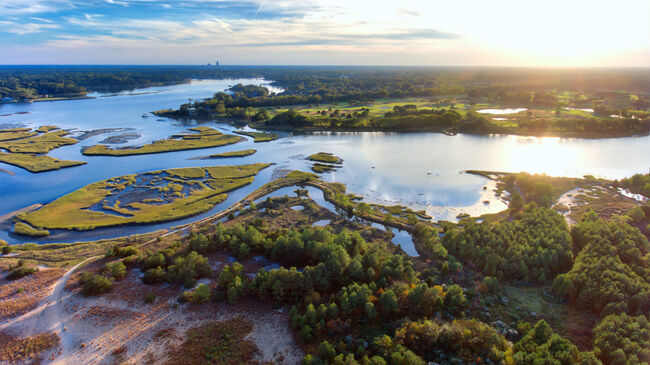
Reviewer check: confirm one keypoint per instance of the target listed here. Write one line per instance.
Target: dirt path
(50, 316)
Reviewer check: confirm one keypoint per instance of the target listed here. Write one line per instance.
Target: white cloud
(500, 32)
(26, 28)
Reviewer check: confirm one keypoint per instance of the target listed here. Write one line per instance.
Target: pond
(424, 171)
(404, 240)
(502, 111)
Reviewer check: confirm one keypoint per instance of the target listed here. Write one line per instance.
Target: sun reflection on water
(548, 155)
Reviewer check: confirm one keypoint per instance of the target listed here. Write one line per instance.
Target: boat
(145, 115)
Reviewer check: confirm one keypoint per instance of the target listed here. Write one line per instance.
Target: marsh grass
(206, 188)
(242, 153)
(325, 157)
(42, 143)
(37, 163)
(27, 230)
(259, 136)
(204, 138)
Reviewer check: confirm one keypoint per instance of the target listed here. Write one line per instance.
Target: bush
(202, 294)
(117, 270)
(4, 248)
(150, 297)
(154, 276)
(189, 268)
(21, 271)
(153, 261)
(116, 250)
(127, 251)
(93, 284)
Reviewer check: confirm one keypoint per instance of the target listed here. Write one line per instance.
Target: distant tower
(216, 64)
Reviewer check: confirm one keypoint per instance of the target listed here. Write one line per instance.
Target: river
(421, 170)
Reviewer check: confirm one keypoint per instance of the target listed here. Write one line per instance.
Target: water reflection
(423, 171)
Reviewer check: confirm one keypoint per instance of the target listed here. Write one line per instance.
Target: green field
(143, 198)
(204, 138)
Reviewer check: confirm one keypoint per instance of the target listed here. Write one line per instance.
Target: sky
(526, 33)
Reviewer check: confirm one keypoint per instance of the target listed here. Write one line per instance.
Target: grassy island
(325, 157)
(204, 138)
(40, 143)
(37, 163)
(150, 197)
(324, 162)
(28, 148)
(259, 136)
(242, 153)
(27, 230)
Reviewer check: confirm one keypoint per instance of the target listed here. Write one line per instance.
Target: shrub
(20, 272)
(189, 268)
(201, 294)
(93, 284)
(154, 276)
(153, 261)
(127, 251)
(116, 269)
(150, 297)
(4, 248)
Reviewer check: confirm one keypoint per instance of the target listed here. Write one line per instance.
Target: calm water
(420, 170)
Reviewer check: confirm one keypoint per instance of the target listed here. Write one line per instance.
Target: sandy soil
(22, 295)
(569, 201)
(121, 327)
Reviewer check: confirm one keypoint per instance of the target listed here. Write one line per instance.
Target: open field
(144, 198)
(204, 138)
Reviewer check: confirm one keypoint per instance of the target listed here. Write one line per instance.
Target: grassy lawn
(204, 138)
(184, 192)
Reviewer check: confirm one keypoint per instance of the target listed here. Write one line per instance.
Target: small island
(28, 148)
(324, 162)
(259, 136)
(204, 138)
(151, 197)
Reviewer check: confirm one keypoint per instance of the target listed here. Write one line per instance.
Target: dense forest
(352, 301)
(331, 83)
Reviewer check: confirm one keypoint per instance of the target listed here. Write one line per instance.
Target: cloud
(404, 11)
(325, 29)
(26, 28)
